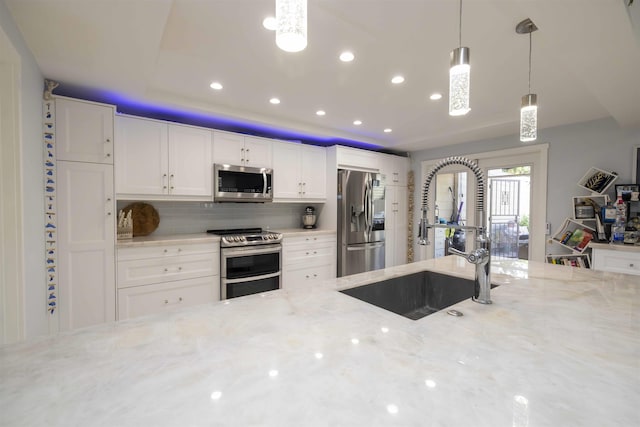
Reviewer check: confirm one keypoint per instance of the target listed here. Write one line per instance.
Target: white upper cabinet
(299, 173)
(84, 131)
(190, 161)
(156, 160)
(239, 150)
(394, 169)
(354, 158)
(142, 156)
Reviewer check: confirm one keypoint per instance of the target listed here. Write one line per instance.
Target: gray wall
(31, 81)
(573, 149)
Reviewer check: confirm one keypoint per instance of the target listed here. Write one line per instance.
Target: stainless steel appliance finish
(242, 184)
(360, 222)
(250, 261)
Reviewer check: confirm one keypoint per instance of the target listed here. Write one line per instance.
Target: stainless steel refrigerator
(360, 222)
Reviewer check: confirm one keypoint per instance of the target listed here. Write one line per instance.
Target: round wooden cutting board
(145, 218)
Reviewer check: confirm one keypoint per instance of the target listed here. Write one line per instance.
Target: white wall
(31, 85)
(573, 149)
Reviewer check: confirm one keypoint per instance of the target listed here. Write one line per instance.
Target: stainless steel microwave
(242, 184)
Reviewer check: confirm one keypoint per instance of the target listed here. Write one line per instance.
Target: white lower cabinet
(308, 259)
(158, 278)
(616, 261)
(86, 243)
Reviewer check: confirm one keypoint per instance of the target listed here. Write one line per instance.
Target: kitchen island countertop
(559, 346)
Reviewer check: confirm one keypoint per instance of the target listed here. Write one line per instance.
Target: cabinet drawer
(311, 255)
(616, 261)
(305, 241)
(166, 251)
(156, 270)
(150, 299)
(294, 278)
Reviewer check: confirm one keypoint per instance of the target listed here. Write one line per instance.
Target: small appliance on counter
(309, 217)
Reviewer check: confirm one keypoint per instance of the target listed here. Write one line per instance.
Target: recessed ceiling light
(435, 96)
(269, 23)
(320, 113)
(397, 80)
(387, 130)
(274, 101)
(357, 122)
(215, 85)
(347, 56)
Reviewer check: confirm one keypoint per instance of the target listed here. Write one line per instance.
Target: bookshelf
(579, 229)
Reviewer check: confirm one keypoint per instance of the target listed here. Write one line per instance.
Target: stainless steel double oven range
(250, 261)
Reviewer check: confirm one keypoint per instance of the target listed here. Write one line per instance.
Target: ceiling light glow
(215, 85)
(357, 122)
(396, 80)
(435, 96)
(347, 56)
(270, 23)
(274, 101)
(387, 130)
(320, 113)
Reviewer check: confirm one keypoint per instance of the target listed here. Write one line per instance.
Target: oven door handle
(251, 278)
(242, 251)
(264, 182)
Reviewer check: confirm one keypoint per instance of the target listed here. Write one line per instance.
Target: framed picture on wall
(635, 172)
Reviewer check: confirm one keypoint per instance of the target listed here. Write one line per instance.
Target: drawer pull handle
(314, 252)
(166, 270)
(307, 276)
(179, 299)
(307, 253)
(179, 268)
(166, 250)
(166, 301)
(631, 265)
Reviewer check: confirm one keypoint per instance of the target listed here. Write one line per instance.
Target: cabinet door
(228, 148)
(396, 225)
(286, 172)
(258, 152)
(141, 157)
(400, 225)
(84, 131)
(190, 161)
(86, 239)
(314, 172)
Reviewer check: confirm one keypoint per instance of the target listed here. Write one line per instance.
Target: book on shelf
(566, 236)
(586, 238)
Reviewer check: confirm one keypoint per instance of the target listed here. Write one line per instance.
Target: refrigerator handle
(365, 205)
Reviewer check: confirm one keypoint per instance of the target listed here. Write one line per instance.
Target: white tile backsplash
(195, 217)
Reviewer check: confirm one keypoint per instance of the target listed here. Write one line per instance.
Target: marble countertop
(159, 240)
(559, 346)
(615, 247)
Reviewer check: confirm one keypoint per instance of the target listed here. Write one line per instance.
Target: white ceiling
(166, 52)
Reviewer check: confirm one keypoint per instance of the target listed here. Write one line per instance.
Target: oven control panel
(251, 239)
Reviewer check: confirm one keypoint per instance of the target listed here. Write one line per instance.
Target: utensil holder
(125, 232)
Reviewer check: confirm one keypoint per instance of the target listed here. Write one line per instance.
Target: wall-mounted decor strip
(50, 208)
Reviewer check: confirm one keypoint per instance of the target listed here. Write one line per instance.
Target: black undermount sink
(416, 295)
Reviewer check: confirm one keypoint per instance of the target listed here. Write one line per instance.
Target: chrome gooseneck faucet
(480, 256)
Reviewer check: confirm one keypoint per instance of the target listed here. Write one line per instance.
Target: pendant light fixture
(459, 76)
(529, 108)
(291, 21)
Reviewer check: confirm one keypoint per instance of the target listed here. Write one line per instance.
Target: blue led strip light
(50, 210)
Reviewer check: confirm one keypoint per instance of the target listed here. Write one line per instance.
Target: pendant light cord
(460, 26)
(530, 61)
